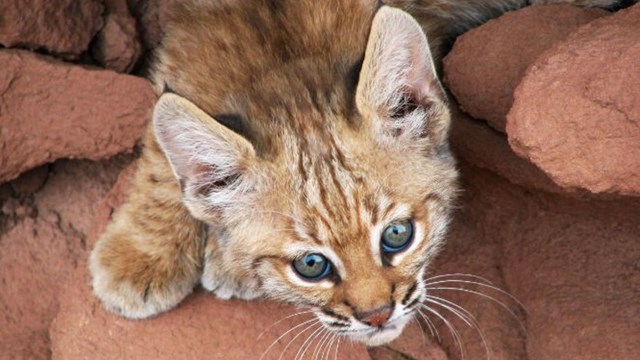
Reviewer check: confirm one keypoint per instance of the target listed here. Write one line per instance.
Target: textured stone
(51, 110)
(201, 327)
(117, 46)
(154, 16)
(37, 254)
(31, 181)
(489, 149)
(63, 27)
(487, 63)
(576, 113)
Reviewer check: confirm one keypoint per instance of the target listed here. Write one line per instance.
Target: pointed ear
(209, 160)
(399, 88)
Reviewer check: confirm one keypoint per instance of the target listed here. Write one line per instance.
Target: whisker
(287, 332)
(326, 355)
(307, 343)
(454, 332)
(472, 276)
(320, 345)
(284, 351)
(479, 284)
(424, 339)
(338, 346)
(431, 326)
(463, 314)
(327, 345)
(486, 297)
(281, 320)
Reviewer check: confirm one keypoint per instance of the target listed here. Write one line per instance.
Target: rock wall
(548, 136)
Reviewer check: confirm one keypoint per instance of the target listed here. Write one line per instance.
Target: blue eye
(397, 236)
(312, 267)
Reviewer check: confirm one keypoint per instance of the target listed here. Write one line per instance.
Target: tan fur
(289, 133)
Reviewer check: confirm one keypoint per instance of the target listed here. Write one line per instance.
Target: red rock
(201, 327)
(576, 113)
(117, 46)
(154, 16)
(37, 255)
(52, 110)
(486, 64)
(489, 149)
(412, 344)
(63, 27)
(108, 205)
(31, 181)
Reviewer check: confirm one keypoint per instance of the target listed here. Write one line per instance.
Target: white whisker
(472, 276)
(454, 332)
(424, 339)
(432, 328)
(479, 284)
(281, 320)
(486, 297)
(307, 343)
(338, 347)
(287, 332)
(463, 314)
(320, 345)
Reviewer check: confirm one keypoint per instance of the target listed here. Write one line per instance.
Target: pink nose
(377, 317)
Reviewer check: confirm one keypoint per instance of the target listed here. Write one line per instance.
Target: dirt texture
(51, 109)
(541, 260)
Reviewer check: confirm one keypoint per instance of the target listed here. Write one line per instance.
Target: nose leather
(376, 317)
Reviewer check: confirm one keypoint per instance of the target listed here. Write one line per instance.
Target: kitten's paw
(129, 287)
(226, 289)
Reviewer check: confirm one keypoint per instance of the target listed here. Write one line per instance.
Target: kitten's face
(349, 210)
(350, 233)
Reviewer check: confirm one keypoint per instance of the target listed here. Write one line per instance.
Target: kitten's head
(339, 200)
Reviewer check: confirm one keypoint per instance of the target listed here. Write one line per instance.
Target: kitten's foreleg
(150, 256)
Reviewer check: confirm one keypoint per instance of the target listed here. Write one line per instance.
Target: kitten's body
(314, 148)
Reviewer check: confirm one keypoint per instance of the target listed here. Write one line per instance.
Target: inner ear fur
(209, 160)
(399, 86)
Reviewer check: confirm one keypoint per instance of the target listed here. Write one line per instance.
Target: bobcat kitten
(298, 152)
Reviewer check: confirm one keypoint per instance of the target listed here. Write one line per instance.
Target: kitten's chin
(384, 336)
(381, 337)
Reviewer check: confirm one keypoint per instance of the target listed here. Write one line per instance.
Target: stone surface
(573, 264)
(117, 45)
(51, 110)
(201, 327)
(31, 181)
(570, 119)
(487, 63)
(63, 27)
(38, 253)
(154, 16)
(489, 149)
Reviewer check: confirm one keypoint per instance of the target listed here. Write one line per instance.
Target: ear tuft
(398, 84)
(209, 160)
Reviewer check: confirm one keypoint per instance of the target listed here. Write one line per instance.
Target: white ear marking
(204, 155)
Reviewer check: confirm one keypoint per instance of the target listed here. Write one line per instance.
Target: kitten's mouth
(380, 335)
